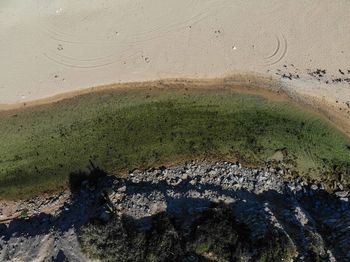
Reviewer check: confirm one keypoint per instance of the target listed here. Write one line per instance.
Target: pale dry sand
(59, 46)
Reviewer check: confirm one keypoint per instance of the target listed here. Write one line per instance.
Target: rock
(193, 182)
(314, 187)
(115, 197)
(184, 176)
(300, 215)
(341, 194)
(212, 172)
(340, 186)
(121, 189)
(291, 187)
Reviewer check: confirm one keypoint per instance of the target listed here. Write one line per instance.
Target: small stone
(122, 189)
(341, 194)
(193, 182)
(340, 186)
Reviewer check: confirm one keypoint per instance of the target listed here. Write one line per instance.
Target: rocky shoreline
(311, 219)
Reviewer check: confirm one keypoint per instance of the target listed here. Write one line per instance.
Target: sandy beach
(50, 48)
(168, 114)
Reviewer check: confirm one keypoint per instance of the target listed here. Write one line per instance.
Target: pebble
(314, 187)
(341, 194)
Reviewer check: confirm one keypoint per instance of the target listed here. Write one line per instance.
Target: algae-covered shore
(122, 129)
(187, 130)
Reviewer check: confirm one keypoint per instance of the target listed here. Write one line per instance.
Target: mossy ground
(125, 129)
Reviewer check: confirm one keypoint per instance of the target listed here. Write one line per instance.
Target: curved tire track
(279, 53)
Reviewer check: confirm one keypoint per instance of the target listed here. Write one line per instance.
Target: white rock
(122, 189)
(341, 194)
(314, 187)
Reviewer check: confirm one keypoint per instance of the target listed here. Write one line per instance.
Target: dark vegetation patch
(122, 130)
(211, 235)
(91, 178)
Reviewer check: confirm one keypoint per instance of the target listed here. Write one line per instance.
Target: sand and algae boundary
(250, 83)
(144, 124)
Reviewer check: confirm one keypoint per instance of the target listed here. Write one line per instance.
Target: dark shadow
(91, 177)
(61, 257)
(212, 233)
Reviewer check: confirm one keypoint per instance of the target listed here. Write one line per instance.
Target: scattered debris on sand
(291, 72)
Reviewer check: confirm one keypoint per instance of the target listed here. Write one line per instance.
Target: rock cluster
(314, 220)
(259, 197)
